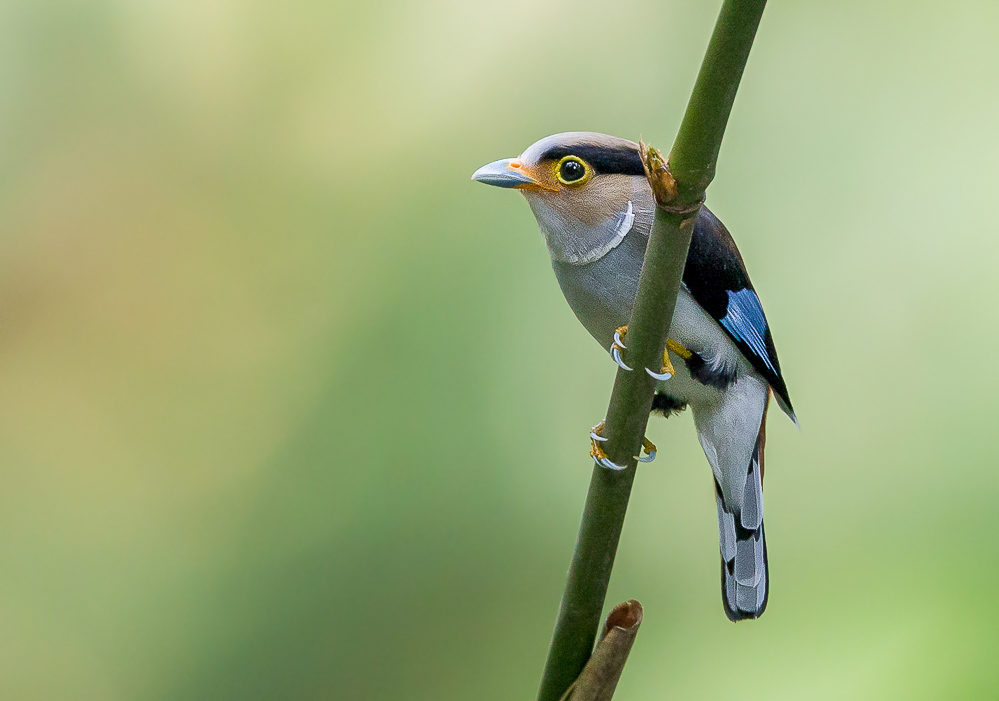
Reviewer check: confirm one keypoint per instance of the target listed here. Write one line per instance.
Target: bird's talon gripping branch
(667, 372)
(597, 451)
(618, 341)
(594, 436)
(618, 345)
(616, 354)
(600, 457)
(650, 451)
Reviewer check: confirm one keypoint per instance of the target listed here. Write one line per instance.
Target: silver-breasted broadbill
(593, 203)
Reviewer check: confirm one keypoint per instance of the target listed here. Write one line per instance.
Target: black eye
(571, 170)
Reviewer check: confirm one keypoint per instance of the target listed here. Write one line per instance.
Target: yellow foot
(650, 451)
(597, 451)
(600, 456)
(667, 372)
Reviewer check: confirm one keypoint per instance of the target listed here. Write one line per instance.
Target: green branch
(679, 190)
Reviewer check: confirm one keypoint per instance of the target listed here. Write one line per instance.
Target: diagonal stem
(679, 192)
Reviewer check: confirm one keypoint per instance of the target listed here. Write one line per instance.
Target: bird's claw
(650, 451)
(618, 345)
(662, 377)
(612, 465)
(597, 451)
(616, 354)
(667, 372)
(600, 457)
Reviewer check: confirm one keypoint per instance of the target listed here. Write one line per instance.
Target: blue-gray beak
(507, 172)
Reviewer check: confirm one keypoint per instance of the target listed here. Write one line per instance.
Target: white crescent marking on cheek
(626, 220)
(626, 223)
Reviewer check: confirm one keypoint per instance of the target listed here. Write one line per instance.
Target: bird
(595, 208)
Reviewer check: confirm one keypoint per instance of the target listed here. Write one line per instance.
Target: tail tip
(744, 602)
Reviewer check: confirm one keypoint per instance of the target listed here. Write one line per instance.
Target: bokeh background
(291, 409)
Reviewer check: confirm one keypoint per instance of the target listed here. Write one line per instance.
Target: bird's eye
(571, 170)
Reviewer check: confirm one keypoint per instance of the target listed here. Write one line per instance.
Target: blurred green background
(291, 409)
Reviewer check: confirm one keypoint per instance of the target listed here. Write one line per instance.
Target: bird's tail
(744, 578)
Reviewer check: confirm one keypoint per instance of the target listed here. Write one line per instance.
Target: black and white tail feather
(744, 577)
(736, 457)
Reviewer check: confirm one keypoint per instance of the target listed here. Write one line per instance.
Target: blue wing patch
(745, 321)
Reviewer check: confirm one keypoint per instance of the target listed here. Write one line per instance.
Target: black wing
(718, 281)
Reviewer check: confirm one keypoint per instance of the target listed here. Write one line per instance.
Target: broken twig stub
(599, 678)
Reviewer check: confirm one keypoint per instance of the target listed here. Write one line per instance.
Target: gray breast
(601, 293)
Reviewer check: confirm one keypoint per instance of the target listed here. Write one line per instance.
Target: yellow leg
(667, 372)
(672, 345)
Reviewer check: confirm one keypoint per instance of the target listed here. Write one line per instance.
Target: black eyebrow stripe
(604, 159)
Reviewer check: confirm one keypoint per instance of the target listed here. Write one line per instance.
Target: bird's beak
(508, 172)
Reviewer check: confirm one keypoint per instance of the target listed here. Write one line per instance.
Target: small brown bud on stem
(657, 171)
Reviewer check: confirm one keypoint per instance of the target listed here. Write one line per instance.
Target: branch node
(657, 171)
(663, 184)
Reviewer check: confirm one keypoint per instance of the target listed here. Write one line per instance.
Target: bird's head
(587, 191)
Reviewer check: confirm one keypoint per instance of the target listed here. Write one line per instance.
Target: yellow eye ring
(572, 171)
